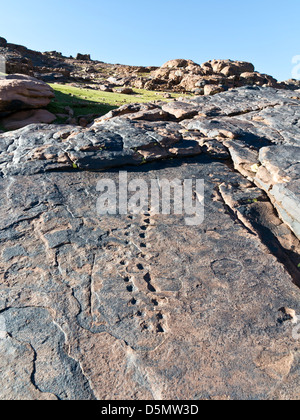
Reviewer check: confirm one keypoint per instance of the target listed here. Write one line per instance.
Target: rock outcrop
(210, 78)
(18, 92)
(19, 95)
(178, 75)
(143, 306)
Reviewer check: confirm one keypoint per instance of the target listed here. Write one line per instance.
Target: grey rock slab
(17, 367)
(114, 143)
(53, 369)
(251, 133)
(243, 100)
(140, 306)
(283, 119)
(181, 110)
(245, 160)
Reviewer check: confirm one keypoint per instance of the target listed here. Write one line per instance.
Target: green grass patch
(80, 100)
(89, 101)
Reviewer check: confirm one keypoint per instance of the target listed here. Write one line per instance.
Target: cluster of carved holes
(147, 278)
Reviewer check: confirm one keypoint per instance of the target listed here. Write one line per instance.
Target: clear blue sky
(265, 32)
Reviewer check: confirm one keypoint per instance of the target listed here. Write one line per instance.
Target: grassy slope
(88, 101)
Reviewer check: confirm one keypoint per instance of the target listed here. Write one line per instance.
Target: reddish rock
(179, 63)
(212, 89)
(20, 92)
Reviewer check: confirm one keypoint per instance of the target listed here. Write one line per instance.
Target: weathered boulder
(191, 82)
(178, 63)
(156, 84)
(212, 89)
(292, 84)
(229, 67)
(22, 66)
(207, 68)
(18, 92)
(124, 90)
(256, 78)
(106, 87)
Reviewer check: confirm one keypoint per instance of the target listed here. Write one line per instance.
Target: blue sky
(265, 32)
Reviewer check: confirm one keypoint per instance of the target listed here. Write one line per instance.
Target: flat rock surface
(145, 306)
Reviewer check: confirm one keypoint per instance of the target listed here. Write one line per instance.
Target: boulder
(255, 78)
(155, 84)
(19, 67)
(233, 67)
(19, 92)
(162, 73)
(139, 82)
(117, 81)
(124, 90)
(55, 54)
(212, 89)
(178, 63)
(229, 71)
(190, 82)
(106, 88)
(52, 77)
(207, 68)
(292, 84)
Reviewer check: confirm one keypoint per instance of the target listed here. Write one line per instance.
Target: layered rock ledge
(145, 307)
(22, 101)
